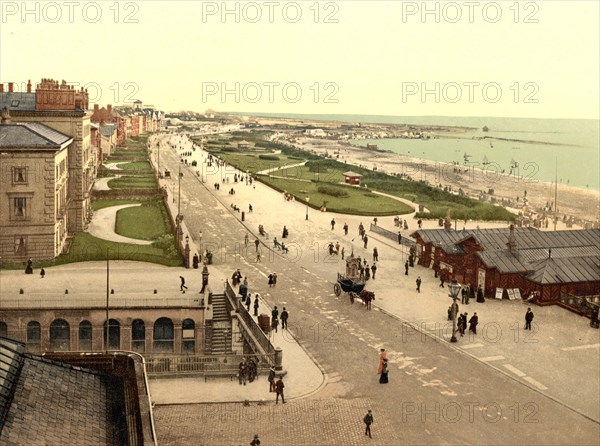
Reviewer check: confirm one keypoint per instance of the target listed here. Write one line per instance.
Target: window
(114, 334)
(19, 175)
(20, 206)
(21, 246)
(3, 330)
(15, 103)
(85, 336)
(60, 335)
(34, 336)
(163, 335)
(188, 336)
(138, 336)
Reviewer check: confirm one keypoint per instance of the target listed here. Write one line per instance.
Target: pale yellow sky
(506, 58)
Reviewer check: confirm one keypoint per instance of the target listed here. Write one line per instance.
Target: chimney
(512, 240)
(5, 116)
(1, 88)
(29, 86)
(109, 108)
(11, 86)
(96, 107)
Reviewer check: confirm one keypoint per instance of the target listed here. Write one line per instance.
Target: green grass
(250, 161)
(146, 222)
(138, 182)
(137, 165)
(358, 201)
(101, 204)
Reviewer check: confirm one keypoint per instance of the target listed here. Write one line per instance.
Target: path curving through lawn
(104, 222)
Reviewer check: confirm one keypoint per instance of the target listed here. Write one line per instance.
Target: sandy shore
(579, 203)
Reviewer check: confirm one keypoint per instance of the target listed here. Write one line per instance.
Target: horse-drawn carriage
(352, 284)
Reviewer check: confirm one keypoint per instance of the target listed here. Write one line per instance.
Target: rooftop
(31, 135)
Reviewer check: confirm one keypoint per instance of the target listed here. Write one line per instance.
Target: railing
(140, 299)
(392, 235)
(247, 322)
(583, 305)
(199, 364)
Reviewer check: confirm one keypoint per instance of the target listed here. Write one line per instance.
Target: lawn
(251, 161)
(133, 182)
(136, 165)
(146, 222)
(101, 204)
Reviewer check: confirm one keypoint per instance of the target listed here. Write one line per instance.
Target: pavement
(558, 358)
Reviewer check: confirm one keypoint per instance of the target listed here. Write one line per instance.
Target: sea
(567, 150)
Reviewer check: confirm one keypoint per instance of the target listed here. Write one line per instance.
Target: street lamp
(455, 288)
(307, 200)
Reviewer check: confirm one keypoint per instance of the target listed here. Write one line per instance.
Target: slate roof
(17, 101)
(505, 261)
(566, 270)
(31, 135)
(54, 403)
(108, 130)
(351, 174)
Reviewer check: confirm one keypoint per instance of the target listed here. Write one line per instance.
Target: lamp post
(454, 287)
(186, 251)
(307, 200)
(179, 205)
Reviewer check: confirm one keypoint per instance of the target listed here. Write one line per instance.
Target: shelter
(352, 178)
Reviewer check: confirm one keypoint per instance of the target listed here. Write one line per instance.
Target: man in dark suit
(528, 318)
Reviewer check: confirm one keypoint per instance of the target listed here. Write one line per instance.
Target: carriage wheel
(337, 289)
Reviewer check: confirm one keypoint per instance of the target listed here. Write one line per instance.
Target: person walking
(284, 318)
(406, 268)
(248, 302)
(182, 286)
(279, 386)
(473, 323)
(255, 441)
(256, 305)
(271, 379)
(480, 297)
(528, 318)
(383, 379)
(242, 371)
(256, 243)
(382, 358)
(345, 228)
(442, 277)
(274, 324)
(246, 240)
(366, 240)
(399, 238)
(270, 280)
(368, 420)
(463, 293)
(418, 282)
(375, 255)
(42, 273)
(332, 223)
(373, 270)
(343, 253)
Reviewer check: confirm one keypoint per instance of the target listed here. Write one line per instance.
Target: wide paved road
(436, 395)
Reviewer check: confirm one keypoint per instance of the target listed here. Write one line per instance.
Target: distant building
(316, 132)
(372, 147)
(244, 145)
(352, 178)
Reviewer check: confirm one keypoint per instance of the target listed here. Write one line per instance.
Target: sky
(465, 58)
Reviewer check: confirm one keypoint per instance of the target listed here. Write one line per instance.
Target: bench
(220, 370)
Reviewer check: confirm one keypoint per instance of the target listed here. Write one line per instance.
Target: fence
(201, 364)
(234, 303)
(393, 236)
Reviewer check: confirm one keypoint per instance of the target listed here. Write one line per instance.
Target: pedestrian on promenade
(463, 293)
(399, 238)
(345, 228)
(528, 318)
(250, 208)
(242, 371)
(383, 379)
(248, 302)
(257, 257)
(367, 273)
(473, 323)
(285, 232)
(467, 293)
(361, 229)
(337, 248)
(332, 223)
(274, 279)
(373, 270)
(182, 286)
(418, 282)
(279, 391)
(42, 273)
(29, 267)
(255, 441)
(270, 280)
(246, 240)
(366, 240)
(460, 325)
(274, 313)
(284, 318)
(343, 253)
(382, 358)
(442, 278)
(256, 305)
(406, 268)
(375, 255)
(256, 243)
(480, 297)
(274, 324)
(271, 379)
(368, 420)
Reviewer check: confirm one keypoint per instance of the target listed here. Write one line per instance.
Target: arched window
(163, 335)
(34, 336)
(114, 335)
(85, 336)
(3, 329)
(138, 336)
(60, 335)
(188, 336)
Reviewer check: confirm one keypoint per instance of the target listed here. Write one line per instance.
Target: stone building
(33, 206)
(63, 109)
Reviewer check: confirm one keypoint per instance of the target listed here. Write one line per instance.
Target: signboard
(511, 294)
(499, 292)
(518, 294)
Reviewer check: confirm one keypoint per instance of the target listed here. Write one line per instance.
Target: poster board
(511, 294)
(499, 292)
(518, 294)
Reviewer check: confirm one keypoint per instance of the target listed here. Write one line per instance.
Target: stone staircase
(221, 326)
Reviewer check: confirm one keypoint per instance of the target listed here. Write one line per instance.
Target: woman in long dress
(383, 379)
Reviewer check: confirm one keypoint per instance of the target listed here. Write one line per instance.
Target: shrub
(333, 191)
(269, 157)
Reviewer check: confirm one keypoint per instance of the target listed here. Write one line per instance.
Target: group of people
(462, 323)
(247, 370)
(275, 318)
